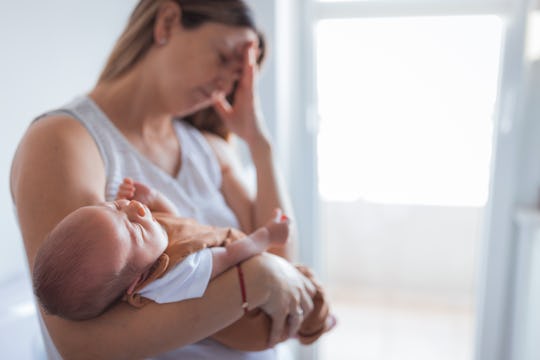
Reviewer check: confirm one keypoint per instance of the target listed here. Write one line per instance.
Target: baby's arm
(156, 201)
(274, 233)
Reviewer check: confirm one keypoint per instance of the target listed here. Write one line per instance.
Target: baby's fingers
(125, 191)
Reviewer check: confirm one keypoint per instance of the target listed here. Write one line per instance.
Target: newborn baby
(98, 254)
(133, 248)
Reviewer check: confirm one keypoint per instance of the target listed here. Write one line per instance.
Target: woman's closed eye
(224, 59)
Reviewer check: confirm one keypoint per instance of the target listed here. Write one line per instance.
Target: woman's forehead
(234, 35)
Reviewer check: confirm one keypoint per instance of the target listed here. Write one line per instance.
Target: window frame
(496, 270)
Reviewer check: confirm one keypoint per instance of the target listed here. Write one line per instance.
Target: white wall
(51, 51)
(265, 13)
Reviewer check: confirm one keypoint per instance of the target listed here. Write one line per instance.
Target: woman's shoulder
(54, 124)
(54, 139)
(54, 130)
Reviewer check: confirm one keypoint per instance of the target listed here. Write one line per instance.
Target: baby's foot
(278, 228)
(272, 234)
(275, 232)
(278, 233)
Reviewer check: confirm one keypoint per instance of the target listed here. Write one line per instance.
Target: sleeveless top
(194, 190)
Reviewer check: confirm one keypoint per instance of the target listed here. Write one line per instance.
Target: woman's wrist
(255, 281)
(241, 281)
(260, 147)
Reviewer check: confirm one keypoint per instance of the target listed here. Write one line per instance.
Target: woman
(173, 59)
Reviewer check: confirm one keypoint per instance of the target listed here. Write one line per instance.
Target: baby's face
(143, 238)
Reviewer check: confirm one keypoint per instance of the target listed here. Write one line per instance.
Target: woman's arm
(244, 118)
(57, 168)
(270, 193)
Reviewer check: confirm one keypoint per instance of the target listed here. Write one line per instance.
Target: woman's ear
(168, 16)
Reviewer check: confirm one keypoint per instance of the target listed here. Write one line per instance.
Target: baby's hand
(133, 190)
(126, 190)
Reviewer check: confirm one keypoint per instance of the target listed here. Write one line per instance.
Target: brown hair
(67, 281)
(138, 35)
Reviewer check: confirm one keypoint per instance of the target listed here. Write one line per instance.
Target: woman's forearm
(128, 333)
(271, 193)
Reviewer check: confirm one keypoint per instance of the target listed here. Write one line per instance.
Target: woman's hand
(244, 117)
(289, 298)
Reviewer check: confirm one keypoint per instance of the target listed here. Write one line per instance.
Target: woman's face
(196, 64)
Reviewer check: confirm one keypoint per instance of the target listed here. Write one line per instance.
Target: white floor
(370, 331)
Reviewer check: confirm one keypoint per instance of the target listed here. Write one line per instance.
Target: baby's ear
(136, 283)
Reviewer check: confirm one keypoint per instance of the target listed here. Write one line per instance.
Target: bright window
(406, 108)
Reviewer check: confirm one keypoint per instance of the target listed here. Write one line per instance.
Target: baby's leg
(273, 233)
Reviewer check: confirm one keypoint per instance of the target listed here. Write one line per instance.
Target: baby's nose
(137, 206)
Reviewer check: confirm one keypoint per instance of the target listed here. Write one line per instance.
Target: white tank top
(194, 190)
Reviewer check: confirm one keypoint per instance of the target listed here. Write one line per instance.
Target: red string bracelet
(245, 304)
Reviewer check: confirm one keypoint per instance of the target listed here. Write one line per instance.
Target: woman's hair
(138, 38)
(138, 35)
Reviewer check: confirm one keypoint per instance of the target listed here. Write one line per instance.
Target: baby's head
(94, 255)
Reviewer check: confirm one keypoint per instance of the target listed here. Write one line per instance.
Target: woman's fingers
(294, 320)
(302, 309)
(243, 116)
(306, 303)
(290, 299)
(222, 107)
(310, 287)
(250, 67)
(278, 327)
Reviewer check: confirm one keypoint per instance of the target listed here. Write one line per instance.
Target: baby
(98, 254)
